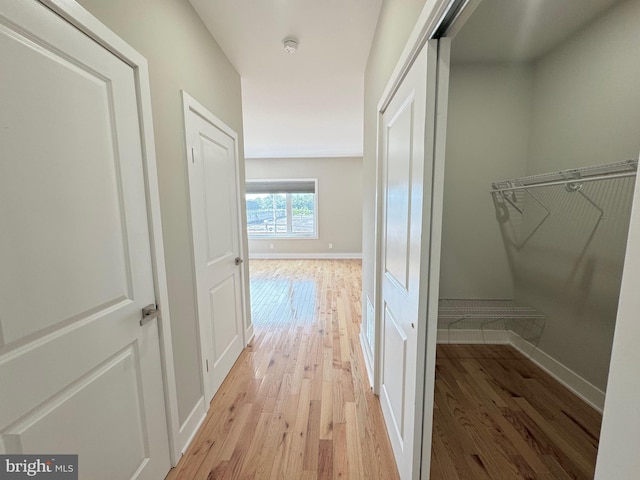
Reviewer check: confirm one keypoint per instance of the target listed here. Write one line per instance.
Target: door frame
(191, 105)
(80, 18)
(426, 26)
(433, 16)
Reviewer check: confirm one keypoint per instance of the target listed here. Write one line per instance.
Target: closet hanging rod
(624, 169)
(563, 182)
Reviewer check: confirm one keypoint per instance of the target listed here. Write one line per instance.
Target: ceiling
(307, 104)
(521, 30)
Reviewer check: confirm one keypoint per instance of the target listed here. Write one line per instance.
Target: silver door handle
(149, 313)
(239, 260)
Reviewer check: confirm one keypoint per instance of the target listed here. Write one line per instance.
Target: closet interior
(541, 160)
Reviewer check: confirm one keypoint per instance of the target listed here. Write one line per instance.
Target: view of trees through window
(281, 214)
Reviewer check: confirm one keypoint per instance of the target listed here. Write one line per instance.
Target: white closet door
(215, 219)
(78, 373)
(407, 160)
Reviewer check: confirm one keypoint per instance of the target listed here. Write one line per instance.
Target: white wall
(339, 204)
(620, 435)
(586, 110)
(571, 270)
(181, 55)
(586, 96)
(487, 140)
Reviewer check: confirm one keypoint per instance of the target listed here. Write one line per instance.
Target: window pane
(302, 213)
(266, 214)
(285, 214)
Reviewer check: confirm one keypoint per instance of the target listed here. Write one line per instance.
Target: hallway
(297, 404)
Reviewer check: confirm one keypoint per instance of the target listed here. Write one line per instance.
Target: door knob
(149, 313)
(238, 260)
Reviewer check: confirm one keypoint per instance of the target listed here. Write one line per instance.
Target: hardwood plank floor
(499, 416)
(297, 404)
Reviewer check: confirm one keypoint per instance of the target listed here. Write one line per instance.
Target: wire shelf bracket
(510, 197)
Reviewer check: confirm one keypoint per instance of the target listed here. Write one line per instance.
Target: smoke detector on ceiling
(290, 45)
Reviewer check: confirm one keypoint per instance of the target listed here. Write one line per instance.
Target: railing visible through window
(282, 208)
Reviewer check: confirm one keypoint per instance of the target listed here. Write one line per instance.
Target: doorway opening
(297, 403)
(541, 156)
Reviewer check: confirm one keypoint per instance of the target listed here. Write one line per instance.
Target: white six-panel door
(213, 188)
(406, 134)
(78, 373)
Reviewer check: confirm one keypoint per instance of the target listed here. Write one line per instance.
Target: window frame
(290, 235)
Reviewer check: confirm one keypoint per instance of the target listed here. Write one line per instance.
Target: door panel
(86, 259)
(398, 186)
(220, 224)
(49, 425)
(223, 307)
(76, 272)
(213, 190)
(407, 132)
(394, 380)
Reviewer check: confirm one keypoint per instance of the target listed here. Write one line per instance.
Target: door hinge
(207, 365)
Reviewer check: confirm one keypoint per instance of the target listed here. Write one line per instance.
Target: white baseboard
(249, 333)
(570, 379)
(191, 425)
(368, 324)
(582, 388)
(282, 256)
(366, 353)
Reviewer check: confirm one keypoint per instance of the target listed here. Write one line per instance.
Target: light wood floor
(297, 404)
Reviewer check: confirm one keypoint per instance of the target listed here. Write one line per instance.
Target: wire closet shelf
(573, 181)
(494, 317)
(573, 177)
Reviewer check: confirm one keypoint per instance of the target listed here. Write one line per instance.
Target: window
(282, 208)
